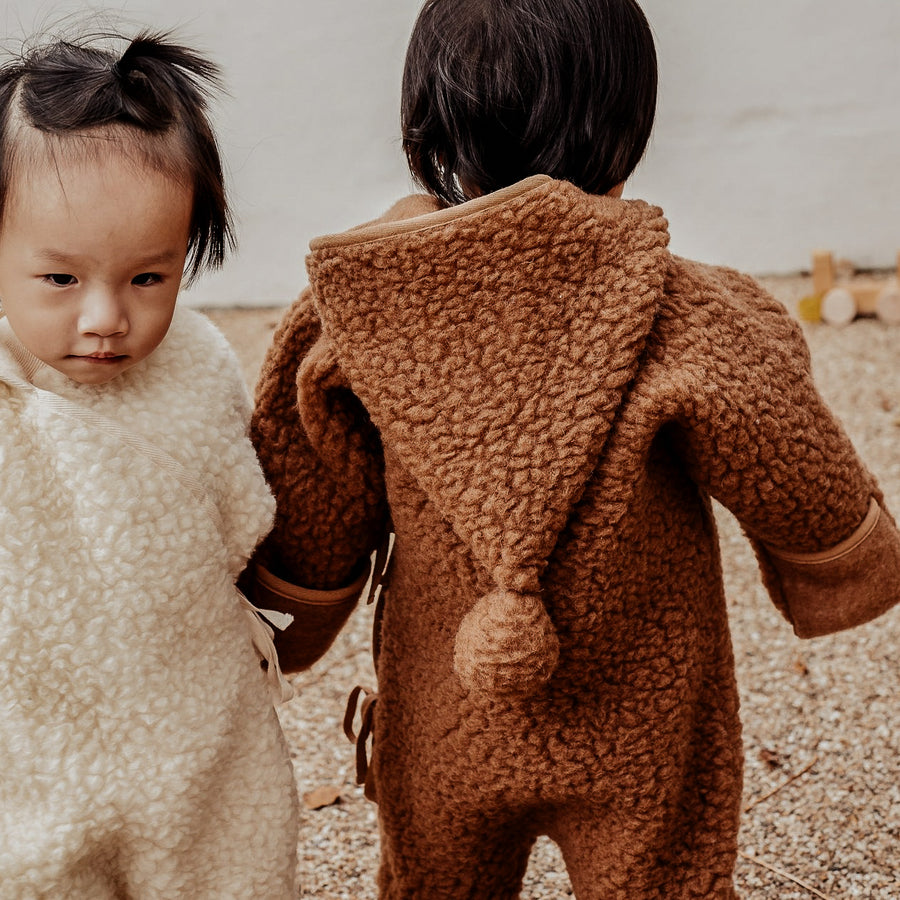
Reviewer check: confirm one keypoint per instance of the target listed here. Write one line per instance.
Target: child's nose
(102, 314)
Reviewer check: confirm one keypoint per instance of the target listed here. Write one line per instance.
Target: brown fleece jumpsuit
(544, 401)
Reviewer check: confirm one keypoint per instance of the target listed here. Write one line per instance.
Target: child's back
(556, 399)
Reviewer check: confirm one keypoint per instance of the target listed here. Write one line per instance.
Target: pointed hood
(492, 344)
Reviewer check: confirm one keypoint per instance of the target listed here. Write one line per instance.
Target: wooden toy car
(839, 302)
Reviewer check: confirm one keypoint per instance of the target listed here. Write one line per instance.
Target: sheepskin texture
(550, 400)
(140, 754)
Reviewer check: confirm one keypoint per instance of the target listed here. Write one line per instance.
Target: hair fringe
(68, 86)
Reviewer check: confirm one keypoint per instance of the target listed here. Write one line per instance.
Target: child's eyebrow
(166, 257)
(54, 256)
(159, 259)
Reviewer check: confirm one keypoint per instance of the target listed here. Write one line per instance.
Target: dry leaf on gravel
(322, 796)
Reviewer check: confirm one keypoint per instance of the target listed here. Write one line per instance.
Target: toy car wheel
(887, 306)
(838, 307)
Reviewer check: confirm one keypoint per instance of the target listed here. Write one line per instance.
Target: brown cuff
(318, 615)
(850, 584)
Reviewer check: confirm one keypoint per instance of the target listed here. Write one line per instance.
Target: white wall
(778, 130)
(778, 127)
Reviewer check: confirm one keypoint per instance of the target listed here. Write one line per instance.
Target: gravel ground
(821, 718)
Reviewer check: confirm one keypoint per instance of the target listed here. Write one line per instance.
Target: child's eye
(61, 280)
(145, 279)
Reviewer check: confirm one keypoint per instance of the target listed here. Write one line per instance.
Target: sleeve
(758, 437)
(321, 456)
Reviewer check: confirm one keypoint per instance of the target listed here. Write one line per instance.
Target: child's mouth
(99, 358)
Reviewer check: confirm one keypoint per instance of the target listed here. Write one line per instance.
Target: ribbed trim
(376, 232)
(289, 591)
(839, 550)
(29, 363)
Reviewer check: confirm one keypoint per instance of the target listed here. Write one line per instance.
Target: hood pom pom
(506, 644)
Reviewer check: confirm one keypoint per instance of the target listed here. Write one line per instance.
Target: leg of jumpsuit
(451, 858)
(608, 860)
(240, 840)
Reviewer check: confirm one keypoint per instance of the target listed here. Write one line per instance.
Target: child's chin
(93, 371)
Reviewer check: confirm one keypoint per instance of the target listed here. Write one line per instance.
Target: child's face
(91, 259)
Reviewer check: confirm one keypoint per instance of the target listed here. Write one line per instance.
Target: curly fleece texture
(547, 399)
(140, 754)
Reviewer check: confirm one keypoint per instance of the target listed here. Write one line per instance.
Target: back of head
(497, 90)
(150, 102)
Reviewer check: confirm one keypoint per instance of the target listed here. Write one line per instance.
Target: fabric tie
(280, 690)
(366, 730)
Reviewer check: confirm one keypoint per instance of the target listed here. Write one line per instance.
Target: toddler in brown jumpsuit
(515, 376)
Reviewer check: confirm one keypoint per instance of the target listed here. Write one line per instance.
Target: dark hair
(497, 90)
(153, 98)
